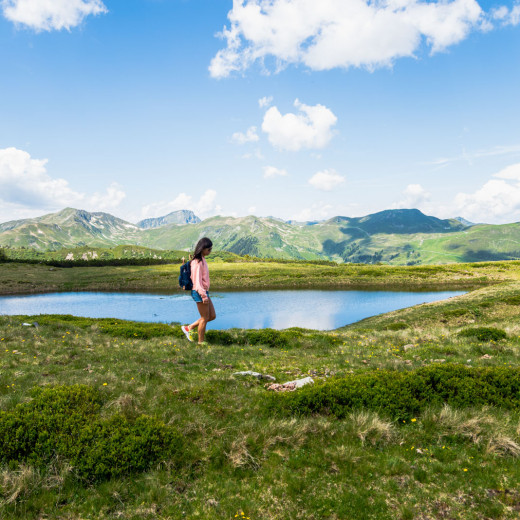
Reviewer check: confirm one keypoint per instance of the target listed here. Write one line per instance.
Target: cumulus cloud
(113, 196)
(48, 15)
(257, 154)
(318, 211)
(415, 196)
(203, 207)
(328, 34)
(498, 200)
(26, 187)
(326, 180)
(311, 127)
(265, 101)
(249, 137)
(510, 172)
(507, 16)
(272, 171)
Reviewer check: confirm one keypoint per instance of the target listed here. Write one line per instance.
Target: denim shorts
(196, 296)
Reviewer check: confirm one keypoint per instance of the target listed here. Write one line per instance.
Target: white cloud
(507, 16)
(251, 210)
(327, 34)
(257, 154)
(415, 196)
(265, 101)
(326, 180)
(112, 198)
(272, 171)
(204, 207)
(26, 186)
(310, 128)
(498, 200)
(510, 172)
(249, 137)
(318, 211)
(48, 15)
(470, 156)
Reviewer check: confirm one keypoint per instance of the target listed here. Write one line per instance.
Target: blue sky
(298, 109)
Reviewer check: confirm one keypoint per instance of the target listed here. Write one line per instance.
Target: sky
(296, 109)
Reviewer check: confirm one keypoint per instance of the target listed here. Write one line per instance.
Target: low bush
(220, 337)
(398, 325)
(64, 422)
(455, 313)
(403, 395)
(269, 337)
(131, 329)
(111, 326)
(484, 333)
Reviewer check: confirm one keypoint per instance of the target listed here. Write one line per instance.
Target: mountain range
(399, 236)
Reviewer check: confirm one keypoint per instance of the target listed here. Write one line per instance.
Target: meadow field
(19, 278)
(414, 414)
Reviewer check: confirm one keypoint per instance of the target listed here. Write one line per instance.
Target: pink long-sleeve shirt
(200, 276)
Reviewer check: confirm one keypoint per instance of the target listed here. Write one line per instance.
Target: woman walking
(200, 292)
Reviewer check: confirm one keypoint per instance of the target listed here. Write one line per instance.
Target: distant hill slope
(404, 236)
(68, 228)
(180, 217)
(403, 221)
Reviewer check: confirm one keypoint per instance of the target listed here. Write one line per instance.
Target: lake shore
(19, 278)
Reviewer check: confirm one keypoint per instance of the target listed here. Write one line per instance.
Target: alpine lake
(277, 309)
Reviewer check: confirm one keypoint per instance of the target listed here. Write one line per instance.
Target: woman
(200, 292)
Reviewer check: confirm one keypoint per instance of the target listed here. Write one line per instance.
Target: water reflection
(315, 309)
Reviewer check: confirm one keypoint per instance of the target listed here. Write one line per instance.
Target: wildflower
(465, 469)
(413, 420)
(105, 384)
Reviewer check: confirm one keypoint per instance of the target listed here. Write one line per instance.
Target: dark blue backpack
(185, 277)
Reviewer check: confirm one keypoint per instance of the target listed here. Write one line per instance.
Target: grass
(17, 278)
(243, 461)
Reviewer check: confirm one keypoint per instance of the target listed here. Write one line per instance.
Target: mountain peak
(180, 217)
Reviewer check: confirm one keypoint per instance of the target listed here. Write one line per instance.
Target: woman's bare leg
(203, 320)
(193, 325)
(212, 313)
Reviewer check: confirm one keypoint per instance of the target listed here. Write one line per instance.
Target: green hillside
(396, 237)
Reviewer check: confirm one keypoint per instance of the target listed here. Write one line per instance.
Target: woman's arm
(196, 278)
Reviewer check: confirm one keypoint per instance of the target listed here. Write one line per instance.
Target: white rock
(255, 374)
(298, 383)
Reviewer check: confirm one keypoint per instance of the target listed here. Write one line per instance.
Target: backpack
(185, 277)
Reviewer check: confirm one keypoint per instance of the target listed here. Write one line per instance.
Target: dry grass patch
(369, 427)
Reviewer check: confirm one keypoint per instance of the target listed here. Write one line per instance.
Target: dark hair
(203, 243)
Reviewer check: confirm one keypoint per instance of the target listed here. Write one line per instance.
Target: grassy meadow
(200, 442)
(19, 278)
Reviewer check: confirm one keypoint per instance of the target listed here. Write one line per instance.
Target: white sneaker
(187, 333)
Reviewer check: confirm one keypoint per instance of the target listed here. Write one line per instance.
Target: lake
(278, 309)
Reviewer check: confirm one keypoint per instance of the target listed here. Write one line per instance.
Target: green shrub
(115, 447)
(132, 329)
(402, 395)
(269, 337)
(513, 300)
(398, 325)
(37, 430)
(220, 337)
(455, 313)
(484, 333)
(65, 422)
(112, 327)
